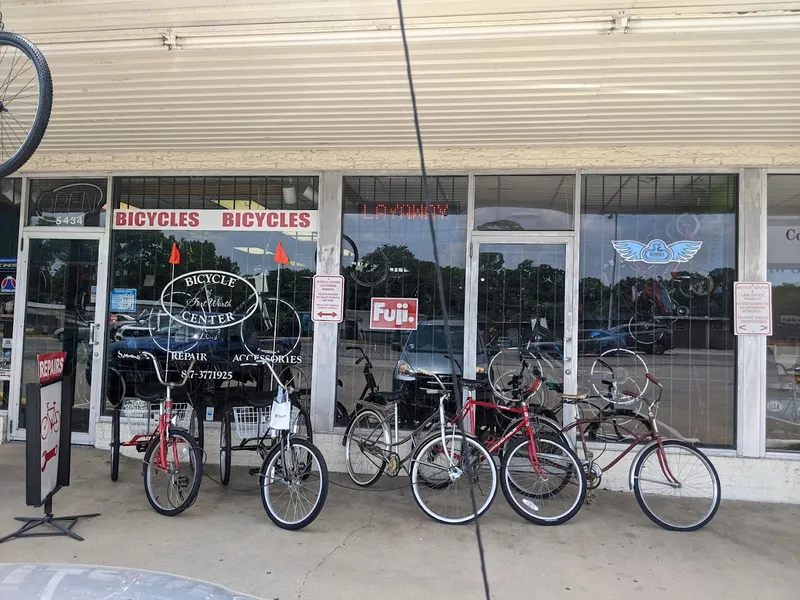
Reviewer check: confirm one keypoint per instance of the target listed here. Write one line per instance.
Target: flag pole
(174, 259)
(169, 321)
(277, 300)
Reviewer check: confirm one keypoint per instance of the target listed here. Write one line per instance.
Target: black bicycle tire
(546, 417)
(643, 504)
(341, 418)
(198, 478)
(348, 431)
(371, 284)
(323, 474)
(115, 449)
(581, 476)
(197, 410)
(309, 433)
(273, 300)
(225, 455)
(45, 103)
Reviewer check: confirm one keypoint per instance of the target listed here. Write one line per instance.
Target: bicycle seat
(473, 383)
(154, 391)
(574, 397)
(387, 397)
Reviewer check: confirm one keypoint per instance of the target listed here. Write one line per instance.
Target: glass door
(62, 308)
(522, 298)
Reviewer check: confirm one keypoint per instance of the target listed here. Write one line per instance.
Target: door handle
(92, 329)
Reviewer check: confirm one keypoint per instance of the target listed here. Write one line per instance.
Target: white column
(326, 335)
(751, 361)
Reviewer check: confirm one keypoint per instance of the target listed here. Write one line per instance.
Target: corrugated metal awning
(200, 74)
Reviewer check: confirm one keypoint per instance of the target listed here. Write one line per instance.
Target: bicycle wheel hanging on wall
(26, 98)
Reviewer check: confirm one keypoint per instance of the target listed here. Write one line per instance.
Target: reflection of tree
(408, 277)
(514, 299)
(141, 261)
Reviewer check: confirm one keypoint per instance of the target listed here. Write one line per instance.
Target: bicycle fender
(636, 460)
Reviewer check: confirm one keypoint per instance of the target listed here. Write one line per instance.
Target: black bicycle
(26, 98)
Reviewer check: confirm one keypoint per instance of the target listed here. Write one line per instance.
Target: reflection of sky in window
(552, 255)
(717, 232)
(254, 251)
(414, 233)
(527, 218)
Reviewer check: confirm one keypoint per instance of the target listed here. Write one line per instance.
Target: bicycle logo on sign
(51, 421)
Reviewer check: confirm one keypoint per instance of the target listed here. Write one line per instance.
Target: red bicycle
(169, 451)
(541, 477)
(675, 483)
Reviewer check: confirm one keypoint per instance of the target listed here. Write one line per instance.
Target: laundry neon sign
(410, 211)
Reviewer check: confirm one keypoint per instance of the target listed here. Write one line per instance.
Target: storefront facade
(599, 181)
(544, 259)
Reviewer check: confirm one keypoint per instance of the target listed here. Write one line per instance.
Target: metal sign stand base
(64, 525)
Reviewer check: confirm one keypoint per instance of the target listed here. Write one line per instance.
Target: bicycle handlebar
(144, 354)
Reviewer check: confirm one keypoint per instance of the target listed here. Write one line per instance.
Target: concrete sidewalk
(379, 545)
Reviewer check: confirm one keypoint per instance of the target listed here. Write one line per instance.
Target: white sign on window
(752, 303)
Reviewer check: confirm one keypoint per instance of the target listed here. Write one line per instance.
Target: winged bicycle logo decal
(656, 252)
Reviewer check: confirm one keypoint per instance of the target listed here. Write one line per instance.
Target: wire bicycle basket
(141, 416)
(253, 423)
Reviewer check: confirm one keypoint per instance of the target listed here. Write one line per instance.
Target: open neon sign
(408, 211)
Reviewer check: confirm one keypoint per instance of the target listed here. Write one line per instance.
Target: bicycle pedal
(590, 497)
(142, 446)
(253, 471)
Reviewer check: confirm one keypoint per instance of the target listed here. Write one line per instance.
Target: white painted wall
(655, 157)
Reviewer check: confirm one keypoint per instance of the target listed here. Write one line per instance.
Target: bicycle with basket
(293, 478)
(160, 429)
(250, 422)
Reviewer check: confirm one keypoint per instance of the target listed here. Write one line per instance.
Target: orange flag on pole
(280, 255)
(175, 255)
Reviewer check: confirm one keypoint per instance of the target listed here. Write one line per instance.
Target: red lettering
(305, 219)
(380, 210)
(227, 219)
(140, 218)
(293, 220)
(120, 219)
(441, 209)
(194, 219)
(364, 211)
(272, 220)
(163, 219)
(248, 220)
(260, 216)
(183, 219)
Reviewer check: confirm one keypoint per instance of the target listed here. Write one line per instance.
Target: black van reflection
(224, 359)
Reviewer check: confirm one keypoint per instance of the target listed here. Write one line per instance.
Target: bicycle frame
(468, 411)
(652, 434)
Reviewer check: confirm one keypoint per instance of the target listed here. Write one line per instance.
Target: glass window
(657, 267)
(239, 295)
(524, 202)
(387, 262)
(783, 347)
(67, 202)
(10, 199)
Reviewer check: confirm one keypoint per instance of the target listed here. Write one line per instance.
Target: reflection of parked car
(783, 403)
(504, 342)
(648, 338)
(83, 333)
(426, 350)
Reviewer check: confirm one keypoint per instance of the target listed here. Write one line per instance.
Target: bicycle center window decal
(209, 299)
(657, 251)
